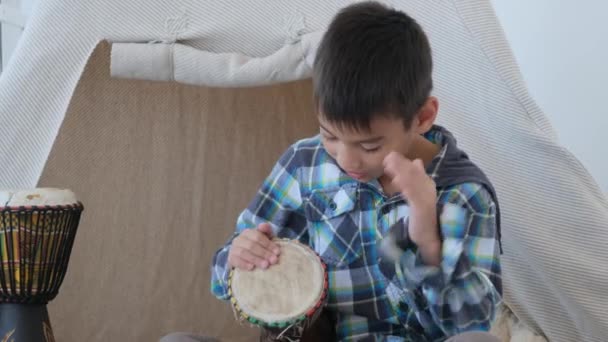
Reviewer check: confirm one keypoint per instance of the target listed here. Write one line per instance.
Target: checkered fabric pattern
(309, 198)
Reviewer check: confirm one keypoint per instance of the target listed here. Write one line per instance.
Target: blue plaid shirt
(309, 198)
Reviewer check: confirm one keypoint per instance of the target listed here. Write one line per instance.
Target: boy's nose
(349, 162)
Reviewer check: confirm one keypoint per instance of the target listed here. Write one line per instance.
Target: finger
(249, 256)
(237, 262)
(396, 161)
(266, 228)
(259, 260)
(390, 159)
(260, 246)
(390, 167)
(250, 236)
(418, 164)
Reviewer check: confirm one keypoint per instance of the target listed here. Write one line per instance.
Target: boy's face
(361, 153)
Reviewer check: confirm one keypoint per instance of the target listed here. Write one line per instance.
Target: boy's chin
(366, 179)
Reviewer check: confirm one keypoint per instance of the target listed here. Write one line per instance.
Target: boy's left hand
(419, 190)
(411, 179)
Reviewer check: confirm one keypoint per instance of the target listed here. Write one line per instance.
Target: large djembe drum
(37, 230)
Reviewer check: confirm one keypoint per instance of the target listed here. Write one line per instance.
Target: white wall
(562, 50)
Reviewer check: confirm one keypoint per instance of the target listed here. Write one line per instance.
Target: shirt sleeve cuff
(416, 272)
(452, 223)
(221, 270)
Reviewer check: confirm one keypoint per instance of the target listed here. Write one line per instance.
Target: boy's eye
(371, 149)
(329, 138)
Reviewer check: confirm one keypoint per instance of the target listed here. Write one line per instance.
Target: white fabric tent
(554, 216)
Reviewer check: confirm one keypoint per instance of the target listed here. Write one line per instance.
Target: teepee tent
(164, 117)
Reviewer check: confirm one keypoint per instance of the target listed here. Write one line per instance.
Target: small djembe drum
(37, 230)
(286, 298)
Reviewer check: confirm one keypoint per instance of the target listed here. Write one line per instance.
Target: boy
(379, 168)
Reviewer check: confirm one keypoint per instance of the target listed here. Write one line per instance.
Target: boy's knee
(185, 337)
(474, 336)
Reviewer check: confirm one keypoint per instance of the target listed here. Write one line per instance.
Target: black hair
(373, 60)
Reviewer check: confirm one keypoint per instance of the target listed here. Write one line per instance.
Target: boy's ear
(426, 116)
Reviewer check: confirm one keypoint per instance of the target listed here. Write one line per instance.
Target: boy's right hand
(254, 247)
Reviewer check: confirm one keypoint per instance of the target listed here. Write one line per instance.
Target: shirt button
(333, 205)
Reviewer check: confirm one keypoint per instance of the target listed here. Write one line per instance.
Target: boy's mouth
(356, 175)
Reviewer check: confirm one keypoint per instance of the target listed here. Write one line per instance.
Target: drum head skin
(37, 197)
(283, 292)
